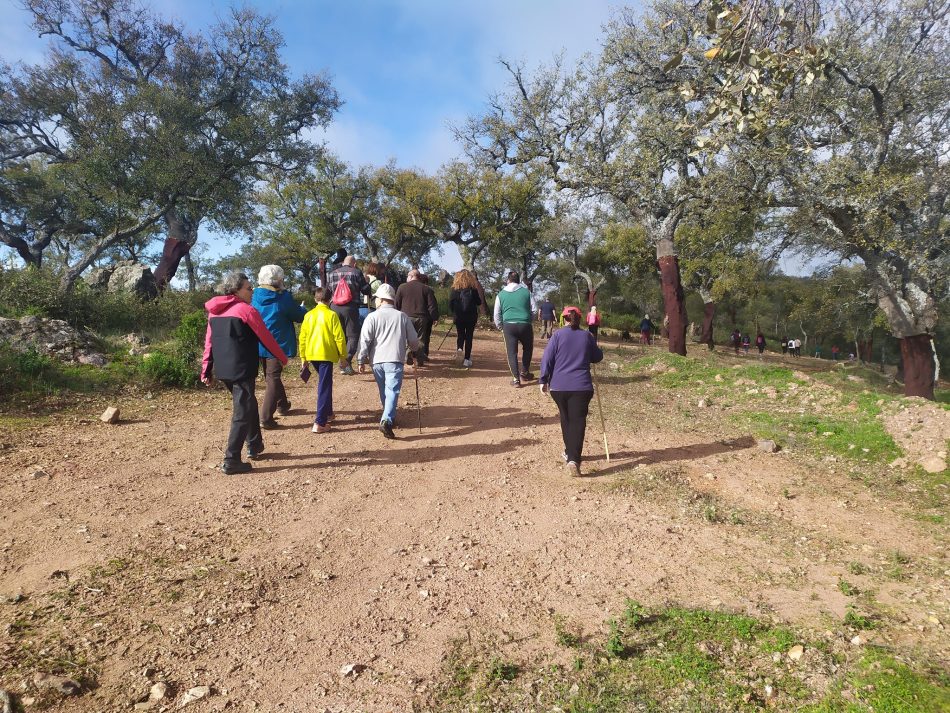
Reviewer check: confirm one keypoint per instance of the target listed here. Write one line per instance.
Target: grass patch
(879, 682)
(678, 659)
(859, 438)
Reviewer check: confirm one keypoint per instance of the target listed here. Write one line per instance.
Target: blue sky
(406, 69)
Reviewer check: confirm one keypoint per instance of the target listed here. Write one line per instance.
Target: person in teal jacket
(514, 309)
(279, 311)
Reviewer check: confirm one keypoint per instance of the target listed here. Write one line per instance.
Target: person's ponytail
(574, 319)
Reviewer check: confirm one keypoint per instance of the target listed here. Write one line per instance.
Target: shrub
(168, 370)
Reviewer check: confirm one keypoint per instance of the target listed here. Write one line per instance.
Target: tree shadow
(665, 455)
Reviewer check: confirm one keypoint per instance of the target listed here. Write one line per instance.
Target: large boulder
(98, 278)
(51, 337)
(133, 277)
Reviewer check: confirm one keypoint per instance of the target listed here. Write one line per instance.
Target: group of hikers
(358, 315)
(743, 341)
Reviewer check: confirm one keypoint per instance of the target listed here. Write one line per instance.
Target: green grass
(879, 682)
(858, 437)
(678, 659)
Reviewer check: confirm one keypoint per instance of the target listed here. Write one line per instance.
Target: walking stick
(600, 407)
(445, 336)
(418, 402)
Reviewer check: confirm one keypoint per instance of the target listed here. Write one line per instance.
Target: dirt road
(132, 559)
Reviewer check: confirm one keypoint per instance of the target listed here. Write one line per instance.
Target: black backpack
(467, 301)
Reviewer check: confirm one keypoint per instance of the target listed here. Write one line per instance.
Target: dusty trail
(345, 548)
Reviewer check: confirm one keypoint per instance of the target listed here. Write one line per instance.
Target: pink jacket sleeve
(254, 320)
(206, 359)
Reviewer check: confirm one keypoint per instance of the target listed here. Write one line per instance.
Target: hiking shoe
(347, 370)
(527, 376)
(255, 454)
(285, 410)
(317, 428)
(516, 383)
(573, 469)
(467, 363)
(236, 468)
(270, 424)
(331, 418)
(386, 428)
(459, 357)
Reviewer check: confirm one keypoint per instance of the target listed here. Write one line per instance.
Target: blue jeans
(389, 380)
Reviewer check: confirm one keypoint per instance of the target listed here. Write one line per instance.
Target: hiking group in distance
(358, 315)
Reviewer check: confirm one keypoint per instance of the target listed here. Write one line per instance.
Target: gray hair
(272, 275)
(232, 282)
(413, 274)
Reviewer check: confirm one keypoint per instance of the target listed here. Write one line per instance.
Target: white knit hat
(272, 275)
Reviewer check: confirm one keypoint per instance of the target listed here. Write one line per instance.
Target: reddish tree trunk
(674, 303)
(709, 311)
(919, 370)
(172, 254)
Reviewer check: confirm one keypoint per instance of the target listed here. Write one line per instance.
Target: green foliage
(31, 291)
(168, 370)
(564, 634)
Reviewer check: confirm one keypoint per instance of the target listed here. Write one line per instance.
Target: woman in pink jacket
(234, 331)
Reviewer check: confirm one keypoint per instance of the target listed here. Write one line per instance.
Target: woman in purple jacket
(565, 373)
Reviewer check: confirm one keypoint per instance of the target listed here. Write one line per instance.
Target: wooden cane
(418, 402)
(600, 407)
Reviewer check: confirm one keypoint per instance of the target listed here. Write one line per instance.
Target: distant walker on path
(514, 308)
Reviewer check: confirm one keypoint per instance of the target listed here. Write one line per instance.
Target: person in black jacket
(235, 329)
(416, 300)
(464, 302)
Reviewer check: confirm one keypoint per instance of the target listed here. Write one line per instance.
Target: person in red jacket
(234, 331)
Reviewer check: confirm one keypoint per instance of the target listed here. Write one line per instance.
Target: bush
(190, 334)
(168, 370)
(32, 291)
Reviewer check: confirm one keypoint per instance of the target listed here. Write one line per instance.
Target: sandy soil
(345, 548)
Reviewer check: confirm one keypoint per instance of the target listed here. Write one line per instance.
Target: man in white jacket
(386, 333)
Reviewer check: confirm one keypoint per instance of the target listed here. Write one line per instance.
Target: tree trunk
(709, 312)
(674, 301)
(919, 366)
(182, 235)
(190, 269)
(481, 296)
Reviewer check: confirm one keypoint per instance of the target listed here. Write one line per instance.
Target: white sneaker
(459, 357)
(467, 363)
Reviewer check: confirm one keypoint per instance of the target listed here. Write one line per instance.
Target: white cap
(386, 292)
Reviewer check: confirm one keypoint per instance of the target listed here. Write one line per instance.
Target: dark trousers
(349, 315)
(324, 391)
(465, 333)
(572, 406)
(592, 328)
(423, 327)
(519, 333)
(547, 327)
(275, 397)
(245, 424)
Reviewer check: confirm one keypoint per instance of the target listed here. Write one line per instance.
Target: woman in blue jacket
(279, 311)
(565, 372)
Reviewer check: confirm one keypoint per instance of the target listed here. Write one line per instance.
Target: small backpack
(467, 301)
(342, 295)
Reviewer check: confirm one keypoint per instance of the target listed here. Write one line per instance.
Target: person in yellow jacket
(322, 344)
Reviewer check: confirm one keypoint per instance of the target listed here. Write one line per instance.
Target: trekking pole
(445, 336)
(600, 407)
(418, 402)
